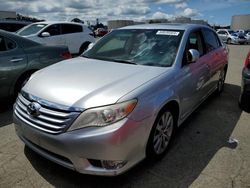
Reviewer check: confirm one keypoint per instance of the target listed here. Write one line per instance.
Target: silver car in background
(123, 99)
(231, 37)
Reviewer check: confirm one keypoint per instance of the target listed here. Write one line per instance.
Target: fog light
(113, 164)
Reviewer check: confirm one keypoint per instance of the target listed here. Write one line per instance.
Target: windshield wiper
(123, 61)
(114, 60)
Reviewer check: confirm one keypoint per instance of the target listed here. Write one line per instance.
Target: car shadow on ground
(202, 135)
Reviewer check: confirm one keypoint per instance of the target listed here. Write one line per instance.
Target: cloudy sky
(214, 11)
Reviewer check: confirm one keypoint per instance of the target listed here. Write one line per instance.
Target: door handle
(14, 60)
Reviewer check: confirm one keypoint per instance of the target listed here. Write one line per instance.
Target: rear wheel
(229, 41)
(221, 81)
(83, 47)
(161, 135)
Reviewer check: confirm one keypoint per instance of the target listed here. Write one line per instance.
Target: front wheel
(161, 135)
(229, 41)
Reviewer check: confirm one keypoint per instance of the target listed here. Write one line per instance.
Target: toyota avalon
(123, 99)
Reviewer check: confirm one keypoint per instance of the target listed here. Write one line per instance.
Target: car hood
(86, 83)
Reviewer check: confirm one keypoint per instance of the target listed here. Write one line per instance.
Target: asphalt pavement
(211, 149)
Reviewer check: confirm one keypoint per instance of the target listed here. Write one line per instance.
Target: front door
(195, 75)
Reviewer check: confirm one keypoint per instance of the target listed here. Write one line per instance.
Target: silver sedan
(123, 99)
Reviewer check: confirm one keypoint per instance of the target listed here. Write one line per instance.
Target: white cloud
(188, 12)
(161, 15)
(90, 9)
(181, 5)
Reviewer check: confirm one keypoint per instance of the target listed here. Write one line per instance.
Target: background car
(12, 26)
(230, 37)
(100, 32)
(245, 87)
(248, 37)
(20, 57)
(75, 36)
(123, 99)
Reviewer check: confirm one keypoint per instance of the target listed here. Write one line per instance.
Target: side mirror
(45, 34)
(90, 46)
(193, 55)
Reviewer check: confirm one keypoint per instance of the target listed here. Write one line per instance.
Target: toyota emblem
(33, 109)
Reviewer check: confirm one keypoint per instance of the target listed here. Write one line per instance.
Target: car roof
(171, 26)
(24, 42)
(14, 22)
(58, 22)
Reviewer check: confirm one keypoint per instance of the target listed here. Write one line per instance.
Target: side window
(71, 28)
(10, 44)
(2, 44)
(211, 40)
(6, 44)
(195, 41)
(222, 32)
(53, 30)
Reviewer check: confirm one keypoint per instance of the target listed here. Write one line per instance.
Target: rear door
(72, 34)
(12, 63)
(55, 38)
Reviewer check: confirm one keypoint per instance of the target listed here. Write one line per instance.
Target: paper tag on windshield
(171, 33)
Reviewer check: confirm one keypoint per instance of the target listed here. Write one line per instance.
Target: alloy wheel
(163, 132)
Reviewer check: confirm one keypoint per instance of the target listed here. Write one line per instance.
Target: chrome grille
(50, 120)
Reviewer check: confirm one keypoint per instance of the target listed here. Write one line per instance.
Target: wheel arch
(83, 46)
(20, 79)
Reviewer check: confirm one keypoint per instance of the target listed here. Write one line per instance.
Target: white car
(230, 37)
(75, 36)
(248, 37)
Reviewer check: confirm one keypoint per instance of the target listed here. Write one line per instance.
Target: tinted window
(2, 44)
(12, 27)
(6, 44)
(211, 40)
(53, 30)
(10, 44)
(70, 28)
(222, 32)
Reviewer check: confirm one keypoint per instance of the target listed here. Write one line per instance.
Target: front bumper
(123, 141)
(238, 41)
(246, 80)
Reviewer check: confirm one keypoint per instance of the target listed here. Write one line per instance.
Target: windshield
(31, 29)
(231, 31)
(137, 46)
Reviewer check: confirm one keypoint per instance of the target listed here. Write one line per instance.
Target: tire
(244, 102)
(221, 82)
(20, 83)
(161, 135)
(83, 47)
(229, 41)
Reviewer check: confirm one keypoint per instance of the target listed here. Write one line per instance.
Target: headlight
(102, 116)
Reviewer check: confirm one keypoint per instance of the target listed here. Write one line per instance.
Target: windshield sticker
(171, 33)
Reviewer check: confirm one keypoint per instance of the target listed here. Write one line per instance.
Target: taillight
(66, 55)
(247, 62)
